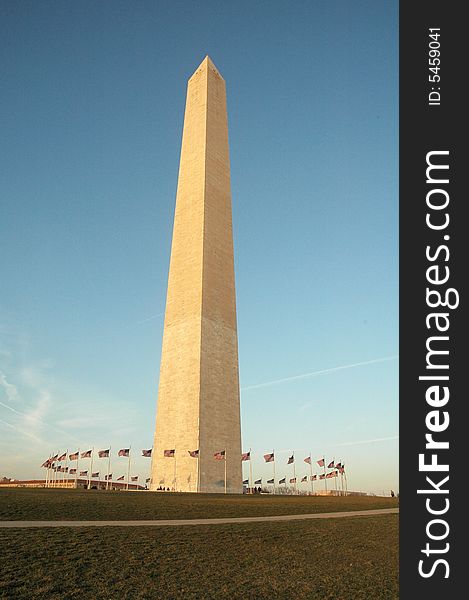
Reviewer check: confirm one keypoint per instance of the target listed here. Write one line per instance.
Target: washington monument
(198, 412)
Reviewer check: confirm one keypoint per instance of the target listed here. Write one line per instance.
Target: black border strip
(425, 128)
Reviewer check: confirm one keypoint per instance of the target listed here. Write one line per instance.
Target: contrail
(385, 439)
(322, 372)
(392, 437)
(41, 421)
(31, 435)
(150, 318)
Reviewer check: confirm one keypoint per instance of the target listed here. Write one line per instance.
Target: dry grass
(42, 504)
(343, 559)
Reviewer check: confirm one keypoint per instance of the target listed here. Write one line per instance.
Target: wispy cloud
(321, 372)
(10, 389)
(373, 441)
(35, 416)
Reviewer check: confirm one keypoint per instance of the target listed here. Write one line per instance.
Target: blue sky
(92, 108)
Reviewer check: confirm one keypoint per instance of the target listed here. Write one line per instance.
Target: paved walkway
(178, 522)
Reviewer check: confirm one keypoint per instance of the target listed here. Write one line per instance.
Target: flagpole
(324, 465)
(250, 471)
(335, 478)
(55, 472)
(311, 473)
(76, 472)
(341, 479)
(108, 467)
(294, 472)
(128, 470)
(198, 470)
(66, 465)
(275, 488)
(91, 468)
(225, 470)
(47, 471)
(174, 478)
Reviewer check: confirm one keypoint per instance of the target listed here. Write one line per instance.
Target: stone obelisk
(198, 396)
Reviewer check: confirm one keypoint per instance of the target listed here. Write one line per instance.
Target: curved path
(178, 522)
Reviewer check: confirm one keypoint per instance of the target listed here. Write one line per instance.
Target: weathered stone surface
(198, 396)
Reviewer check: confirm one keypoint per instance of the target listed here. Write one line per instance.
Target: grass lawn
(344, 559)
(57, 504)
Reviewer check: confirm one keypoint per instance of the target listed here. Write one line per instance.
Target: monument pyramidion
(197, 445)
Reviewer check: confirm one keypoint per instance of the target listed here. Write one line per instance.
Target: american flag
(330, 465)
(282, 481)
(134, 478)
(86, 454)
(72, 471)
(108, 477)
(46, 464)
(169, 453)
(270, 480)
(305, 478)
(194, 453)
(342, 469)
(320, 462)
(121, 478)
(103, 453)
(62, 456)
(59, 469)
(55, 457)
(95, 474)
(124, 452)
(219, 455)
(258, 482)
(329, 475)
(73, 456)
(293, 480)
(146, 453)
(246, 455)
(246, 482)
(308, 460)
(291, 459)
(322, 476)
(83, 473)
(147, 480)
(313, 477)
(269, 457)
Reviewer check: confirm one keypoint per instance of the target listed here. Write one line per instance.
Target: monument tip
(208, 63)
